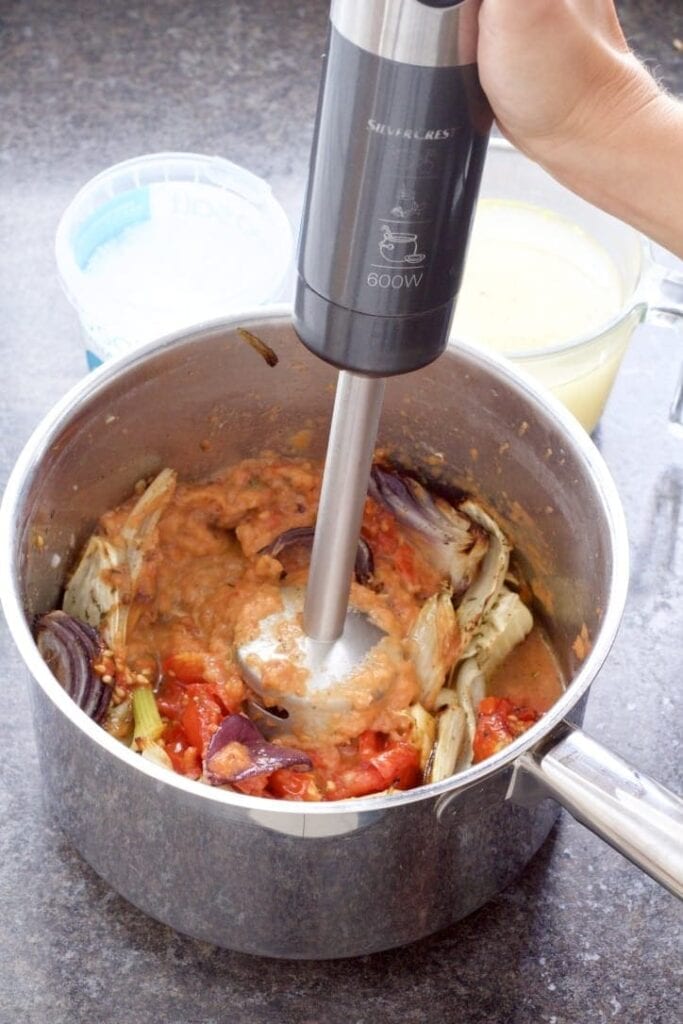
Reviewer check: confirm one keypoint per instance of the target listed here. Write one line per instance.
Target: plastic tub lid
(165, 241)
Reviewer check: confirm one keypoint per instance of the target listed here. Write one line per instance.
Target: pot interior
(208, 398)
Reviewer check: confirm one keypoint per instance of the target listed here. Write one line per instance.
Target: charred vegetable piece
(507, 622)
(505, 625)
(302, 536)
(92, 593)
(238, 751)
(470, 689)
(103, 585)
(452, 748)
(435, 645)
(448, 539)
(482, 593)
(71, 649)
(423, 732)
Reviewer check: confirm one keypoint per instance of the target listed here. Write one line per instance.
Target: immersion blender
(399, 145)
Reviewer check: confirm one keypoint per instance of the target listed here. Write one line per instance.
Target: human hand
(567, 91)
(558, 72)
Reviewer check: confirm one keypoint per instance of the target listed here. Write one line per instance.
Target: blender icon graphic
(399, 248)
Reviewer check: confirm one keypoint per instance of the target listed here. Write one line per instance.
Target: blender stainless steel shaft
(357, 409)
(400, 138)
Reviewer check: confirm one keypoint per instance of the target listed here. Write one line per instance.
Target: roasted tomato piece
(499, 722)
(288, 784)
(384, 537)
(255, 786)
(172, 698)
(184, 757)
(362, 780)
(399, 765)
(186, 666)
(222, 681)
(369, 744)
(381, 764)
(201, 717)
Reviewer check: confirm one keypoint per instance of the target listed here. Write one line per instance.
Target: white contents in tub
(202, 253)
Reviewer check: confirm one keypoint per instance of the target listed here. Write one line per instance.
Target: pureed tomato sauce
(205, 573)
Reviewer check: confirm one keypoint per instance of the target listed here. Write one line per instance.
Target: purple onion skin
(412, 504)
(70, 648)
(264, 757)
(364, 565)
(406, 498)
(299, 535)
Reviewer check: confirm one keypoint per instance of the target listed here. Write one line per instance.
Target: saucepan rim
(28, 465)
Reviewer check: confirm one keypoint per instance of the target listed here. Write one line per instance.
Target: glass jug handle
(665, 307)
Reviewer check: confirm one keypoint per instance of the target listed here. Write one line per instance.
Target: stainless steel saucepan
(338, 879)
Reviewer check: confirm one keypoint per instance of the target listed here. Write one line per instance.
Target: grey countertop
(582, 936)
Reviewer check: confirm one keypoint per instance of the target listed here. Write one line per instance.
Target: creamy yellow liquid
(533, 280)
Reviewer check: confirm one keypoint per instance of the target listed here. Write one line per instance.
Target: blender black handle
(400, 139)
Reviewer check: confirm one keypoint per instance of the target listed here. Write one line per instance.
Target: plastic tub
(162, 242)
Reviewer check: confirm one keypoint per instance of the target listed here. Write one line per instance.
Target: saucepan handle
(633, 813)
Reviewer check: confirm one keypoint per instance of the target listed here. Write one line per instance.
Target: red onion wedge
(238, 751)
(70, 648)
(303, 535)
(447, 537)
(412, 504)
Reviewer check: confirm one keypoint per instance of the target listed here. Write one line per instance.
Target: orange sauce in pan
(530, 676)
(207, 581)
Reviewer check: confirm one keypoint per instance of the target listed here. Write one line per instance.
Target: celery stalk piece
(148, 723)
